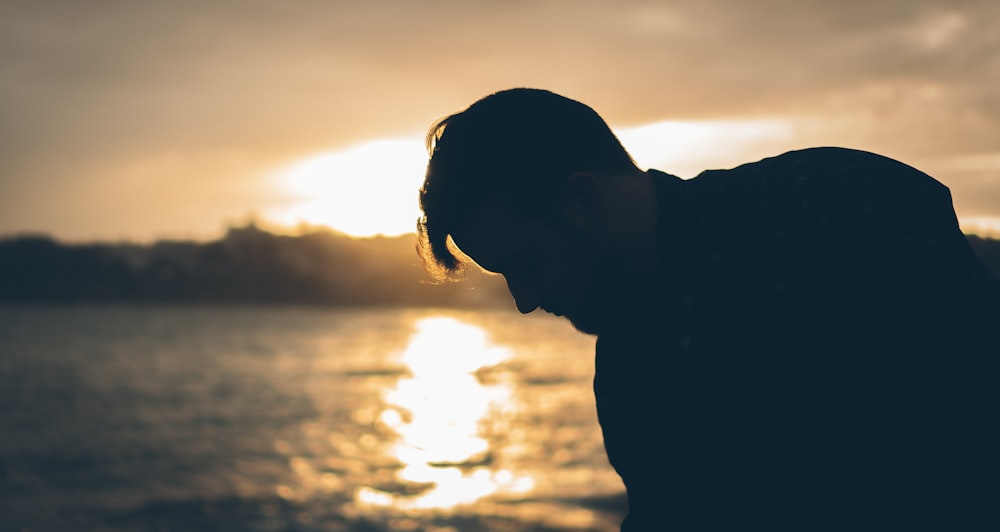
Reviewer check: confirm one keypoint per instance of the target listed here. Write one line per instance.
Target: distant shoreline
(250, 266)
(246, 266)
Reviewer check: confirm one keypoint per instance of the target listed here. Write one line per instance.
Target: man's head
(523, 182)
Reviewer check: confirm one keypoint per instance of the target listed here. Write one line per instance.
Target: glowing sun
(365, 190)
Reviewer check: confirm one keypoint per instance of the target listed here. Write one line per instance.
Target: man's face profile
(546, 265)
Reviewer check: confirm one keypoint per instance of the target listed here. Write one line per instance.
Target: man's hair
(515, 146)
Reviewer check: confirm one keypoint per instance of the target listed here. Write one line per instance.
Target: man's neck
(636, 217)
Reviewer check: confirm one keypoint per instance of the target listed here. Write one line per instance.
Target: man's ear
(584, 201)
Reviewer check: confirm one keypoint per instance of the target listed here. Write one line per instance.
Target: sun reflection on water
(439, 412)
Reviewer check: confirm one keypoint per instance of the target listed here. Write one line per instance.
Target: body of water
(274, 419)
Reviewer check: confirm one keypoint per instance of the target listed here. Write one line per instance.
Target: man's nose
(525, 298)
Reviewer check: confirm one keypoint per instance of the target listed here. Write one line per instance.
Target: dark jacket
(823, 357)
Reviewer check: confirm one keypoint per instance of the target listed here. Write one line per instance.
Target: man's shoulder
(824, 176)
(826, 165)
(827, 154)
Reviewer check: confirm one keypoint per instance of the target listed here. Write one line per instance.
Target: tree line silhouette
(252, 266)
(246, 266)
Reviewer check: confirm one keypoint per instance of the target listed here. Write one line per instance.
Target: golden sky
(138, 120)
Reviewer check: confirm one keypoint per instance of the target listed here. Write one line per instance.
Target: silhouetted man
(801, 343)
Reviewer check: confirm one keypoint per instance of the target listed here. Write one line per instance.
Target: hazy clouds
(152, 114)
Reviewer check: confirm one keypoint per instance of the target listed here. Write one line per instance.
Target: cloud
(88, 86)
